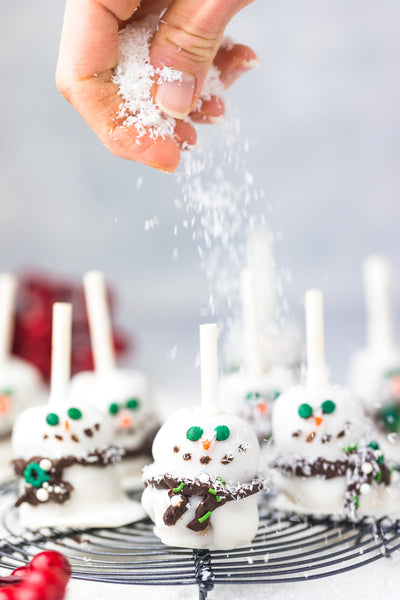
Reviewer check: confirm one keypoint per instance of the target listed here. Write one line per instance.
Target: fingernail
(243, 67)
(175, 98)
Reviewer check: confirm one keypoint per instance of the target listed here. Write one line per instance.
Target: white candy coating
(176, 455)
(252, 397)
(311, 438)
(130, 426)
(21, 386)
(97, 499)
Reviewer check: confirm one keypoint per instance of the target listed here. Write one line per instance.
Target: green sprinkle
(178, 489)
(393, 468)
(212, 491)
(305, 411)
(113, 409)
(389, 418)
(74, 413)
(350, 448)
(222, 433)
(373, 445)
(35, 475)
(218, 498)
(328, 407)
(380, 459)
(52, 419)
(132, 404)
(356, 501)
(205, 517)
(194, 433)
(273, 394)
(220, 480)
(378, 477)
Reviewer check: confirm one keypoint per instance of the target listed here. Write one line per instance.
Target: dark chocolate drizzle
(211, 500)
(350, 467)
(96, 458)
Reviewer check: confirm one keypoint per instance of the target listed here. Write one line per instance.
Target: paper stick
(378, 279)
(99, 321)
(317, 373)
(209, 369)
(8, 289)
(260, 257)
(251, 329)
(61, 351)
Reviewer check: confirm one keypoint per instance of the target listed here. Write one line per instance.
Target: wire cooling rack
(287, 548)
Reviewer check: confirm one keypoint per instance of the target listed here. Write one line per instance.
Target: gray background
(321, 114)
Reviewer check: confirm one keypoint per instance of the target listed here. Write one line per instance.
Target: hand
(188, 40)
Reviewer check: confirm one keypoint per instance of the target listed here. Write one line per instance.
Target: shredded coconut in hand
(135, 77)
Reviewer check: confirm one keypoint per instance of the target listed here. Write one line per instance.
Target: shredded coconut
(135, 77)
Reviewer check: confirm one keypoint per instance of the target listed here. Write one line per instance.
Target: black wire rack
(287, 548)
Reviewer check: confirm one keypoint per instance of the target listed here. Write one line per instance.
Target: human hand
(188, 39)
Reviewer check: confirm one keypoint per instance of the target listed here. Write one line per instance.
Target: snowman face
(123, 396)
(223, 445)
(56, 430)
(315, 423)
(257, 408)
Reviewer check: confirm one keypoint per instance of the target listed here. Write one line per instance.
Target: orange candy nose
(262, 408)
(318, 420)
(125, 421)
(396, 386)
(66, 425)
(5, 403)
(206, 444)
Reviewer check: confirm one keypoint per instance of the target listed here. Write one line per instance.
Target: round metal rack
(287, 548)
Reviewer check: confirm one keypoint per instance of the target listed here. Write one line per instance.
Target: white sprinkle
(204, 478)
(45, 464)
(366, 468)
(176, 500)
(42, 495)
(365, 488)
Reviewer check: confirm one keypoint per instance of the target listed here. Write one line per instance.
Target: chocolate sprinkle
(341, 434)
(228, 458)
(74, 438)
(296, 433)
(311, 436)
(59, 437)
(97, 426)
(187, 456)
(205, 460)
(242, 447)
(326, 438)
(88, 432)
(210, 502)
(176, 449)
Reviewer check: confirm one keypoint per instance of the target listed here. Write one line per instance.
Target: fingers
(185, 135)
(233, 61)
(210, 112)
(188, 39)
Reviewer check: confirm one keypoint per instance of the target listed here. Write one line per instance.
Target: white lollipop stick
(378, 278)
(209, 369)
(60, 352)
(99, 321)
(317, 373)
(251, 330)
(8, 289)
(260, 257)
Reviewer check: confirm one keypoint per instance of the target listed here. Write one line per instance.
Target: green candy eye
(273, 394)
(194, 433)
(252, 395)
(328, 407)
(132, 404)
(113, 408)
(52, 419)
(305, 411)
(74, 413)
(222, 433)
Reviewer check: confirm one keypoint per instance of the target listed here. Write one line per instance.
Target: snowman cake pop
(20, 382)
(279, 339)
(251, 392)
(63, 454)
(123, 395)
(200, 490)
(375, 369)
(325, 463)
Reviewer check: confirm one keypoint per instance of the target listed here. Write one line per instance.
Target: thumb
(187, 40)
